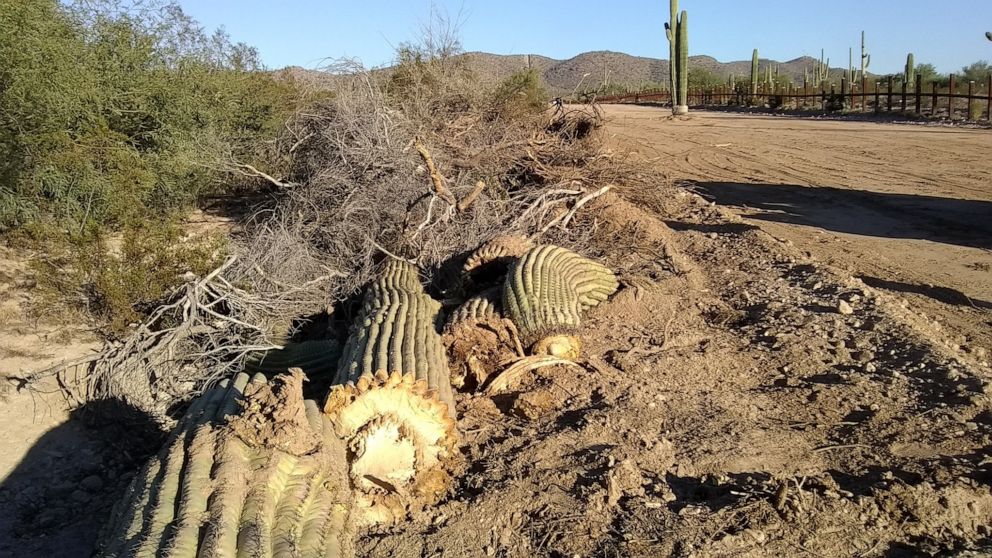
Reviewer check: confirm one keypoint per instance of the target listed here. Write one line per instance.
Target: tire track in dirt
(907, 207)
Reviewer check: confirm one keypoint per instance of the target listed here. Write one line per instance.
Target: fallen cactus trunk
(393, 401)
(545, 292)
(251, 470)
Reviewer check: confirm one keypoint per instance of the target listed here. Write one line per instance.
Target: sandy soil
(907, 208)
(752, 390)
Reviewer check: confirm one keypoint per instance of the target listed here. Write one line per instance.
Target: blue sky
(947, 33)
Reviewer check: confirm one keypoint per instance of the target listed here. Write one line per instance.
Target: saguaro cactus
(677, 31)
(251, 470)
(754, 72)
(821, 70)
(865, 58)
(493, 257)
(545, 292)
(393, 403)
(909, 74)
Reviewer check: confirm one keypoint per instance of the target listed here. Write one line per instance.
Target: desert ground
(797, 364)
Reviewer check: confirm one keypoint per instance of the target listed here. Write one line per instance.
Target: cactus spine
(678, 61)
(251, 469)
(909, 75)
(393, 403)
(754, 72)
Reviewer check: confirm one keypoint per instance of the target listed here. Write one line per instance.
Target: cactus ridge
(393, 401)
(485, 306)
(497, 252)
(549, 287)
(209, 492)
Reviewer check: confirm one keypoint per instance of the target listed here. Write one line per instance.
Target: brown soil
(769, 381)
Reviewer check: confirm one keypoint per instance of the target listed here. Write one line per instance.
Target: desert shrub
(109, 115)
(522, 92)
(115, 280)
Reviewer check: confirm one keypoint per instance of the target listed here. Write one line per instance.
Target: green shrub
(522, 92)
(116, 280)
(107, 117)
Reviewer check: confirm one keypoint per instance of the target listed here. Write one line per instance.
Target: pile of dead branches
(420, 163)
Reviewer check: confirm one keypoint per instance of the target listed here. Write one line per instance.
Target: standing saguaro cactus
(820, 70)
(754, 72)
(678, 49)
(909, 75)
(865, 57)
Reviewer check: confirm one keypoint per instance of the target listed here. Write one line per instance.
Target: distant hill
(562, 76)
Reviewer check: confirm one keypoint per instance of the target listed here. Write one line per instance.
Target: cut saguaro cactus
(251, 470)
(677, 31)
(393, 403)
(546, 291)
(491, 260)
(479, 339)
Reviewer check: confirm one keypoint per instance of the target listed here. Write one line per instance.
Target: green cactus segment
(239, 483)
(393, 401)
(488, 263)
(909, 74)
(549, 287)
(677, 32)
(754, 72)
(483, 307)
(317, 359)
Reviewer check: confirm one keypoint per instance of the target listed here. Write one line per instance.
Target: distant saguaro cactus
(865, 57)
(909, 75)
(678, 49)
(754, 72)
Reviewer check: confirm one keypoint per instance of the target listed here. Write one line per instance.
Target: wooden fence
(966, 101)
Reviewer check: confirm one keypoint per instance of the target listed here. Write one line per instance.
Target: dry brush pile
(440, 197)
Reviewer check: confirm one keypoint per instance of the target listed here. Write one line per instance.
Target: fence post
(864, 94)
(950, 97)
(889, 95)
(902, 99)
(878, 102)
(918, 99)
(843, 92)
(971, 89)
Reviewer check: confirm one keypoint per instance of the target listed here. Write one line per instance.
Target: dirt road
(906, 208)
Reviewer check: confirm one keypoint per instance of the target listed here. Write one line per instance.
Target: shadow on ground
(58, 498)
(878, 214)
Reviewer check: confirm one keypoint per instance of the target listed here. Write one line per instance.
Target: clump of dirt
(274, 416)
(478, 349)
